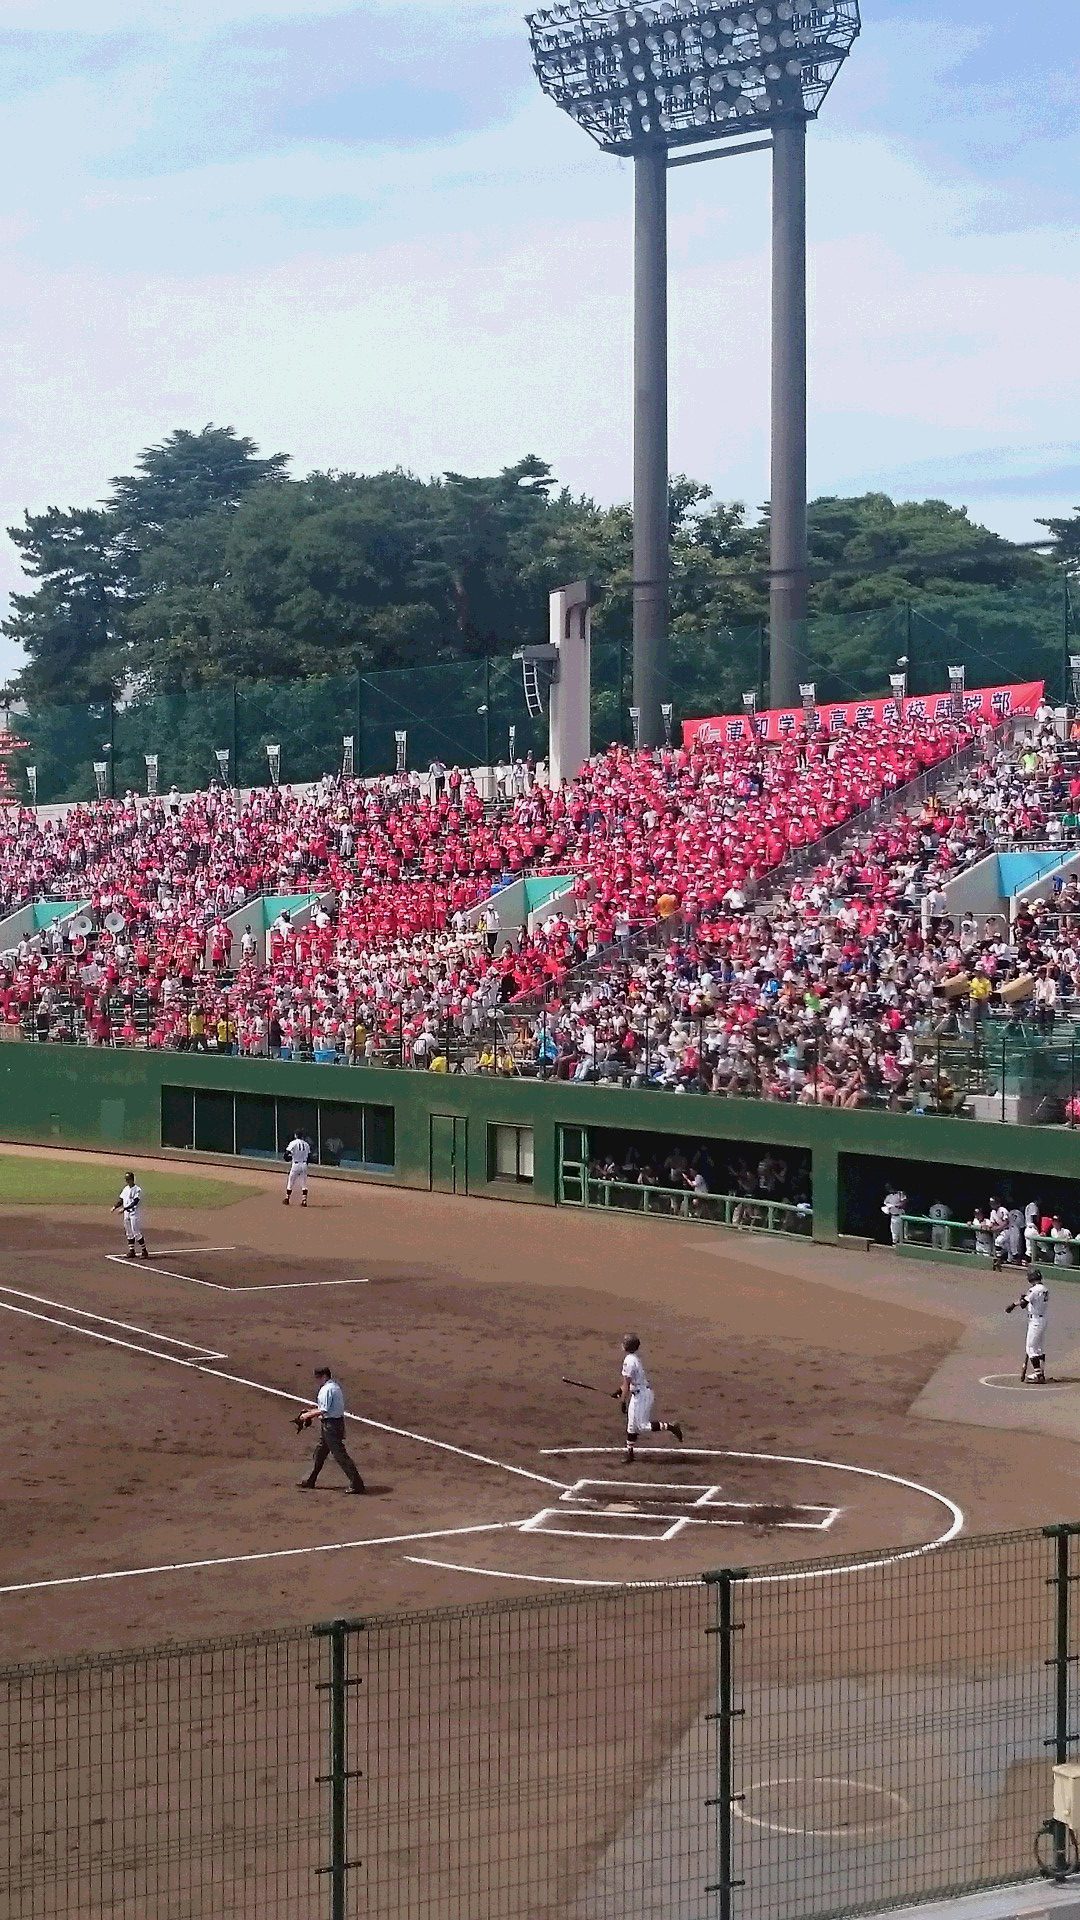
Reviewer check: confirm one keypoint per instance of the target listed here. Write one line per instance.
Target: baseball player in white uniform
(129, 1203)
(1037, 1302)
(297, 1153)
(637, 1399)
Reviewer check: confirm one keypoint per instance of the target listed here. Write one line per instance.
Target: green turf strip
(25, 1182)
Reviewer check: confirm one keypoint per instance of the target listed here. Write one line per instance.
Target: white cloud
(476, 304)
(192, 19)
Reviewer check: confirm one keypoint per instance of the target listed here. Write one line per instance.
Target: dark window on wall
(510, 1154)
(865, 1179)
(379, 1138)
(177, 1117)
(260, 1126)
(298, 1116)
(214, 1132)
(256, 1125)
(342, 1136)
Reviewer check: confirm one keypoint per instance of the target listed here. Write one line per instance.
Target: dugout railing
(746, 1213)
(1059, 1249)
(807, 1740)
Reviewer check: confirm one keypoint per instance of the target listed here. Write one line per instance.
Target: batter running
(637, 1400)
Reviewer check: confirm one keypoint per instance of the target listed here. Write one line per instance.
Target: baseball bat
(587, 1387)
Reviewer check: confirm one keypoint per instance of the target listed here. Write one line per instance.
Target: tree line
(209, 566)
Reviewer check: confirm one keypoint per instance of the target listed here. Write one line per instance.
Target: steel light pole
(646, 82)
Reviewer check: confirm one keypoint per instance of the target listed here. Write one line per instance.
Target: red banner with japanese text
(994, 704)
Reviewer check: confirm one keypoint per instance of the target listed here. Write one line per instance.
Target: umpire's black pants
(332, 1447)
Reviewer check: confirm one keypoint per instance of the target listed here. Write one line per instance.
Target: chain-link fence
(806, 1741)
(462, 711)
(894, 1724)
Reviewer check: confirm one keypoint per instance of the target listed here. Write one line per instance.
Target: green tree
(188, 475)
(922, 580)
(208, 566)
(106, 573)
(73, 625)
(1066, 537)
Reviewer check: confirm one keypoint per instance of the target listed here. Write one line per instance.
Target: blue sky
(358, 232)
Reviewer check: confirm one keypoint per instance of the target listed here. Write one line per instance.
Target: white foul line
(484, 1459)
(67, 1326)
(244, 1559)
(64, 1306)
(300, 1400)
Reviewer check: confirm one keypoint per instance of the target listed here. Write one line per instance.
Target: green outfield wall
(502, 1139)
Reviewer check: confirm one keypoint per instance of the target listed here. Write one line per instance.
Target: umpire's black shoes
(308, 1485)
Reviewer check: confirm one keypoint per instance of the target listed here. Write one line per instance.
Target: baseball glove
(299, 1423)
(1011, 1308)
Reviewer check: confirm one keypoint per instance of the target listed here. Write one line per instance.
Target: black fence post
(725, 1717)
(340, 1866)
(1062, 1580)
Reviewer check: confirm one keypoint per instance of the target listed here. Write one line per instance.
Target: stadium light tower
(645, 81)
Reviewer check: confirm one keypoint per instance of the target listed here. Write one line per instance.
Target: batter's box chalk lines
(869, 1565)
(247, 1559)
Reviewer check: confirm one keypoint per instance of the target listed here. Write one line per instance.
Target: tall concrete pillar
(652, 533)
(790, 583)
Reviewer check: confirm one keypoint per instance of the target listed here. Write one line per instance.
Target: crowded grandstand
(733, 916)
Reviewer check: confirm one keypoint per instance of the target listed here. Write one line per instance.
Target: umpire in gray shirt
(329, 1411)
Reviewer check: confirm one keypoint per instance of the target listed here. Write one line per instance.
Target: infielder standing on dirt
(297, 1153)
(637, 1399)
(129, 1203)
(1037, 1302)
